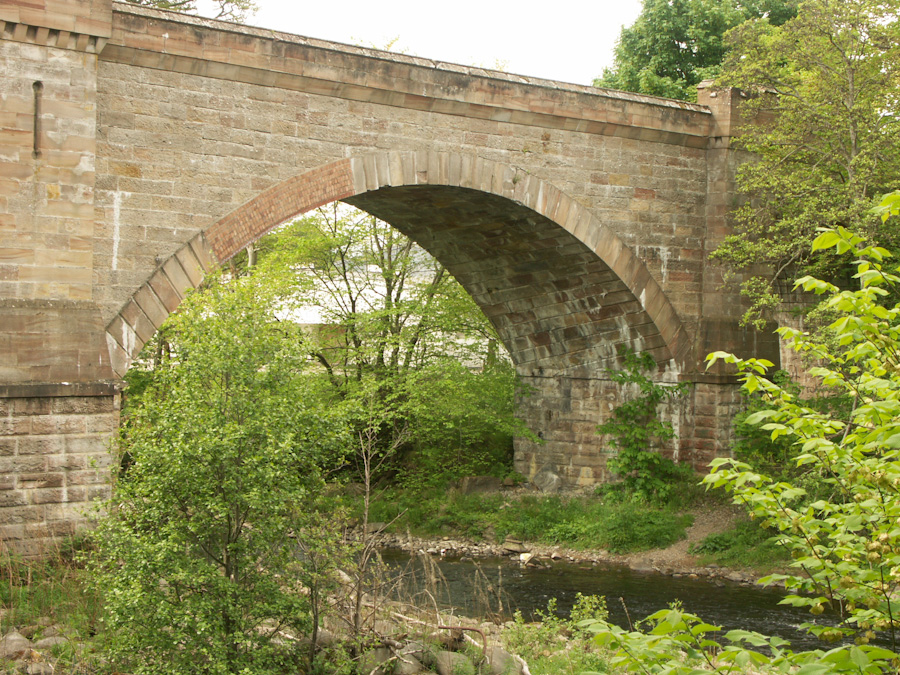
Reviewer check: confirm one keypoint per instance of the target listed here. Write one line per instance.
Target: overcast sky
(563, 40)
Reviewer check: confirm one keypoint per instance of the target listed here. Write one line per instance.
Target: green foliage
(683, 644)
(823, 133)
(576, 522)
(674, 641)
(54, 586)
(635, 429)
(555, 644)
(675, 44)
(755, 446)
(227, 10)
(848, 547)
(195, 561)
(746, 544)
(388, 307)
(623, 529)
(464, 422)
(397, 330)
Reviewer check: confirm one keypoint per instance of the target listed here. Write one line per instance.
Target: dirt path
(707, 520)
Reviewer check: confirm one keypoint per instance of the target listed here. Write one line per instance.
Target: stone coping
(434, 64)
(60, 389)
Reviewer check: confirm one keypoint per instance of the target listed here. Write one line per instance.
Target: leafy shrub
(194, 560)
(555, 644)
(635, 428)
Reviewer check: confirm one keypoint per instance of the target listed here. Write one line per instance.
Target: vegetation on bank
(579, 522)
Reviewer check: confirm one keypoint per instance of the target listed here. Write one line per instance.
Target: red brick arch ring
(144, 313)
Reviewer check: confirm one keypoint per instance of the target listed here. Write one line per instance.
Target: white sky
(565, 40)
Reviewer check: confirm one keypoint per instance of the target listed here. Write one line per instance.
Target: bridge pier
(565, 412)
(55, 457)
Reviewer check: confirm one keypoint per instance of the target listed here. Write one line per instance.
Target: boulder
(502, 662)
(48, 642)
(474, 484)
(407, 664)
(422, 652)
(29, 632)
(547, 480)
(40, 669)
(513, 546)
(372, 662)
(14, 646)
(454, 663)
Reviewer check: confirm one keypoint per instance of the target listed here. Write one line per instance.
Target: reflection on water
(529, 589)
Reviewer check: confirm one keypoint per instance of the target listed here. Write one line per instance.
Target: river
(472, 588)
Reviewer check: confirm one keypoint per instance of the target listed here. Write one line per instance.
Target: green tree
(823, 132)
(389, 312)
(676, 44)
(197, 559)
(387, 306)
(846, 546)
(227, 10)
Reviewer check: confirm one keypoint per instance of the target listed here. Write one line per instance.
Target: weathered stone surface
(14, 646)
(502, 662)
(50, 642)
(513, 546)
(454, 663)
(407, 664)
(474, 484)
(421, 651)
(374, 662)
(547, 479)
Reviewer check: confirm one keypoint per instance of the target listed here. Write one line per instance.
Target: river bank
(676, 560)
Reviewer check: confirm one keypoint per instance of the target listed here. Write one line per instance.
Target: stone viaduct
(142, 148)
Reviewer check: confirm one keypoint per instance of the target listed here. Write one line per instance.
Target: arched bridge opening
(564, 293)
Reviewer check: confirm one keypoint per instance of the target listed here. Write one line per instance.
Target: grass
(576, 522)
(51, 591)
(554, 646)
(747, 544)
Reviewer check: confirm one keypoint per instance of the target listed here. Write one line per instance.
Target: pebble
(468, 551)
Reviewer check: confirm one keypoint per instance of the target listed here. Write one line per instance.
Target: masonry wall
(58, 400)
(54, 465)
(178, 150)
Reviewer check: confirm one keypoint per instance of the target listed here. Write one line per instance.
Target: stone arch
(355, 180)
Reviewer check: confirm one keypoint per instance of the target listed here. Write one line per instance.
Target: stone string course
(579, 219)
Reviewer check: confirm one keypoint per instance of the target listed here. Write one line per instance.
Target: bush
(635, 428)
(845, 549)
(195, 562)
(557, 645)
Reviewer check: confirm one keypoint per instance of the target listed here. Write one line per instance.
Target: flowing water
(472, 588)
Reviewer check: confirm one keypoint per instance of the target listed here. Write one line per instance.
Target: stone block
(48, 496)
